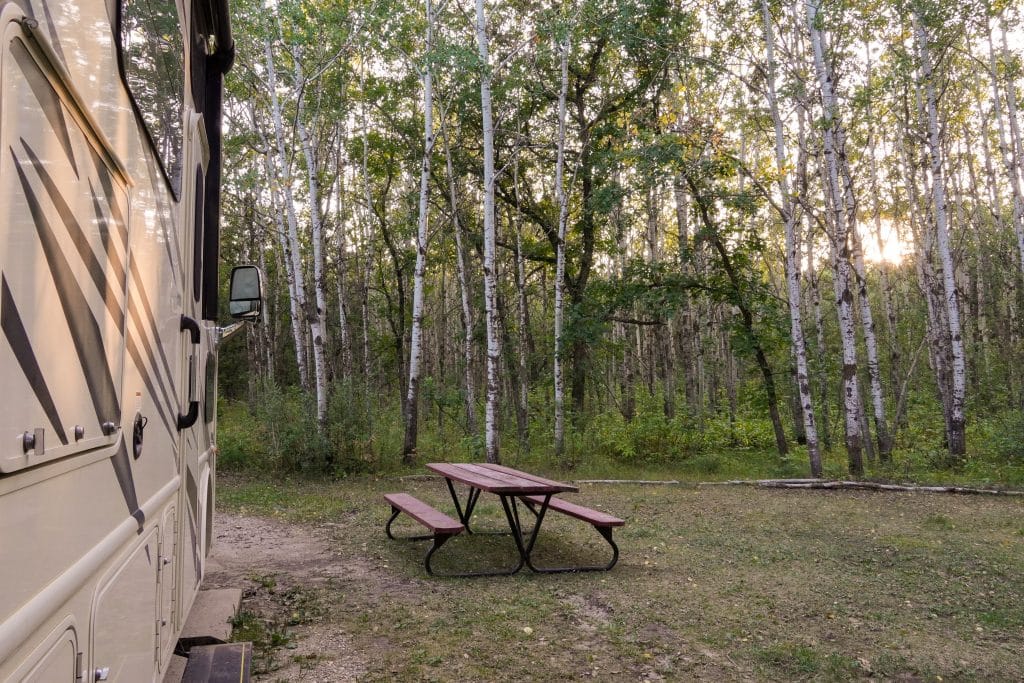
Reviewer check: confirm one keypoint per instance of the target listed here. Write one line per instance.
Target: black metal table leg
(605, 531)
(387, 529)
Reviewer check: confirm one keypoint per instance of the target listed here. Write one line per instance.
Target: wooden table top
(498, 478)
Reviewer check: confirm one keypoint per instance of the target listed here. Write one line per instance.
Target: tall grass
(363, 434)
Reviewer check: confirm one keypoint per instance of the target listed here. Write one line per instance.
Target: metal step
(225, 663)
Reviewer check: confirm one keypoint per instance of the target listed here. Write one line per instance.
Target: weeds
(277, 434)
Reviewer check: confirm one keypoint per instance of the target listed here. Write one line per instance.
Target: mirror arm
(228, 331)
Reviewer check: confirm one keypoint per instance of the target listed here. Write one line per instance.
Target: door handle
(188, 419)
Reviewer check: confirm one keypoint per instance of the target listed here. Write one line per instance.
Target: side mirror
(246, 299)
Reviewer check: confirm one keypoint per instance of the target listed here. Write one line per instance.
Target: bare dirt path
(284, 571)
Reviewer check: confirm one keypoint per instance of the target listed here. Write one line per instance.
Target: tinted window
(197, 244)
(153, 60)
(210, 389)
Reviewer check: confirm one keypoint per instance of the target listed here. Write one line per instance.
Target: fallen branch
(861, 486)
(644, 482)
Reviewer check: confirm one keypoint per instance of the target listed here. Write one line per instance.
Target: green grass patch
(720, 583)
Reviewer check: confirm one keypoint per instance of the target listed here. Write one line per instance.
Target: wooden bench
(601, 521)
(441, 526)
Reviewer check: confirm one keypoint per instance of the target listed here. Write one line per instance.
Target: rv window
(153, 66)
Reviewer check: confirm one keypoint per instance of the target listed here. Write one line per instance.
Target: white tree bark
(522, 411)
(416, 337)
(1007, 149)
(284, 173)
(561, 197)
(957, 436)
(884, 445)
(367, 242)
(792, 257)
(464, 293)
(490, 275)
(1011, 108)
(289, 272)
(346, 338)
(836, 200)
(315, 316)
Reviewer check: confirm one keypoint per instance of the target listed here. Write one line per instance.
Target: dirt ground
(713, 584)
(270, 560)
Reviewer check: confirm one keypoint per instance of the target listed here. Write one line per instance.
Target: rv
(109, 207)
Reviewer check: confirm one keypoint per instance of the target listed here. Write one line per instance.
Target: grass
(721, 583)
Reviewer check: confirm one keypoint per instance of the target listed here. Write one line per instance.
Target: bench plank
(595, 517)
(562, 487)
(433, 519)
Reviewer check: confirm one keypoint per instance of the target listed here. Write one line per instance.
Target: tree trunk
(522, 333)
(416, 337)
(315, 315)
(490, 276)
(796, 330)
(957, 436)
(292, 235)
(464, 293)
(561, 197)
(1014, 172)
(367, 243)
(841, 262)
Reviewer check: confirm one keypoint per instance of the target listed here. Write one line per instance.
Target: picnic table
(515, 489)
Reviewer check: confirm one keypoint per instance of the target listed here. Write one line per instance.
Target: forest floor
(716, 583)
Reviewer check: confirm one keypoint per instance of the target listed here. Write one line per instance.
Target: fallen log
(840, 485)
(643, 482)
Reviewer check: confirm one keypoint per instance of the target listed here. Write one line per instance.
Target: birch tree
(416, 338)
(292, 235)
(792, 255)
(490, 275)
(314, 314)
(957, 435)
(562, 199)
(832, 148)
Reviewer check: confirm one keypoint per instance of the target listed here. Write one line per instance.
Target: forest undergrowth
(278, 434)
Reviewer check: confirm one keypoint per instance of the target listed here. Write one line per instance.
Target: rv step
(229, 662)
(211, 616)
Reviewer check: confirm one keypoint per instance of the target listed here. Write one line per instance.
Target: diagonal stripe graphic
(151, 319)
(85, 331)
(79, 238)
(108, 193)
(123, 470)
(108, 245)
(17, 337)
(46, 96)
(133, 351)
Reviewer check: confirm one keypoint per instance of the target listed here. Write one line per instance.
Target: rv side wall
(105, 486)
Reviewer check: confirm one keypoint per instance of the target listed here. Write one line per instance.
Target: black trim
(211, 18)
(46, 96)
(211, 209)
(197, 235)
(17, 337)
(85, 331)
